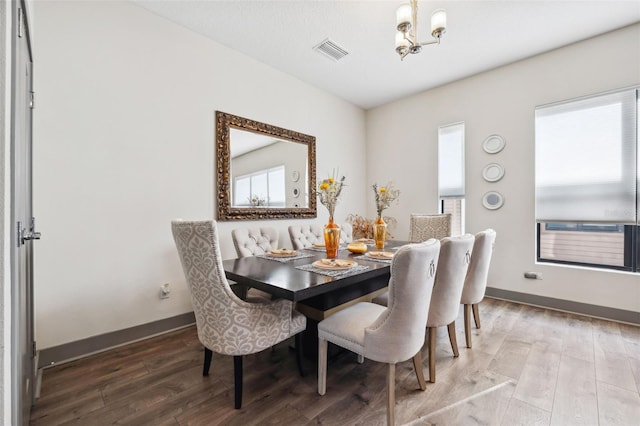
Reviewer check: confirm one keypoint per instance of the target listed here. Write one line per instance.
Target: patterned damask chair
(425, 226)
(389, 334)
(253, 241)
(475, 282)
(227, 324)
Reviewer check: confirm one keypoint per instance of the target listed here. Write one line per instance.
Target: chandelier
(407, 35)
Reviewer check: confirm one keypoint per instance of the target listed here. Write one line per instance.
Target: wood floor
(528, 366)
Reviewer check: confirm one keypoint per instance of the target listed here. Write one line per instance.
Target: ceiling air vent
(331, 50)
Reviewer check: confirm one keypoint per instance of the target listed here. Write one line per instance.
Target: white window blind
(585, 160)
(451, 161)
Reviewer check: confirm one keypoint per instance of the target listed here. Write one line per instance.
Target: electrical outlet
(165, 291)
(533, 275)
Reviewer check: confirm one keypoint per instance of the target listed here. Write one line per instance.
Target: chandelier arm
(426, 43)
(409, 39)
(414, 19)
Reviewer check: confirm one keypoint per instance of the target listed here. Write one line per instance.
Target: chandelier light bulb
(403, 16)
(438, 22)
(400, 40)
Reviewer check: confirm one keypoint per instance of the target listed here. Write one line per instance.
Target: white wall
(124, 142)
(502, 101)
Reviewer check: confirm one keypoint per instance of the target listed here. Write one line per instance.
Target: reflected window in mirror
(264, 188)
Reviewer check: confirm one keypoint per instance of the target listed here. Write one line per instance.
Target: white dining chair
(389, 334)
(475, 283)
(305, 236)
(251, 242)
(455, 255)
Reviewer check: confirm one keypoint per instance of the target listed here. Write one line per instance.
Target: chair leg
(391, 394)
(467, 324)
(208, 353)
(451, 328)
(476, 314)
(322, 366)
(237, 378)
(417, 365)
(299, 357)
(432, 354)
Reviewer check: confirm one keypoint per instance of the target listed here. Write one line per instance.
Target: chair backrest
(214, 303)
(475, 282)
(398, 334)
(303, 236)
(346, 233)
(252, 241)
(425, 226)
(455, 255)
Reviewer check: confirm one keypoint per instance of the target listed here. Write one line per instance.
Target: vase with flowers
(329, 193)
(385, 195)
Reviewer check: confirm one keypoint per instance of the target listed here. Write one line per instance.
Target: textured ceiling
(481, 35)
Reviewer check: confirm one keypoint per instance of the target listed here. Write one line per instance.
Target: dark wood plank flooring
(528, 366)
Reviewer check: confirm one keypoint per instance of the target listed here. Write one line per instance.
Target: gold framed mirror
(263, 171)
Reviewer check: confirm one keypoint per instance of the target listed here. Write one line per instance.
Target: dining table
(316, 292)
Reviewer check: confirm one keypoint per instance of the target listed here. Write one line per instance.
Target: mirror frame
(224, 122)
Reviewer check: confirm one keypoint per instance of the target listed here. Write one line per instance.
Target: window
(264, 188)
(586, 181)
(451, 174)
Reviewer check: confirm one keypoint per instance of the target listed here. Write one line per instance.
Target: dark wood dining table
(317, 296)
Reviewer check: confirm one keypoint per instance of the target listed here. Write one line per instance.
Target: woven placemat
(285, 259)
(374, 259)
(331, 273)
(323, 249)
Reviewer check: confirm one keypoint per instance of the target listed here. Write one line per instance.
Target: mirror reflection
(264, 171)
(267, 171)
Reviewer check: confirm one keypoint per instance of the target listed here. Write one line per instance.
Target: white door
(23, 233)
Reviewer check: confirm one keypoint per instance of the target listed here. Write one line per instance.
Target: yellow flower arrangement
(385, 195)
(329, 192)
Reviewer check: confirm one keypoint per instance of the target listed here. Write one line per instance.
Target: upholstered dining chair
(227, 324)
(455, 255)
(346, 233)
(389, 334)
(305, 236)
(425, 226)
(253, 241)
(475, 282)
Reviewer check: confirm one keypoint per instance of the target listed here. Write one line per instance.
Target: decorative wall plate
(493, 144)
(493, 172)
(492, 200)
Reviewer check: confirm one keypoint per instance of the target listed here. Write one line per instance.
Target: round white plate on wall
(492, 200)
(493, 172)
(493, 144)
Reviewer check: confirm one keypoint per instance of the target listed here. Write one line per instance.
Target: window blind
(585, 160)
(451, 161)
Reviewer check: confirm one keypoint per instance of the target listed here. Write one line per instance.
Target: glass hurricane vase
(332, 238)
(379, 232)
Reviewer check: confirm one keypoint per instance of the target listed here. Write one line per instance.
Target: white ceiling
(481, 35)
